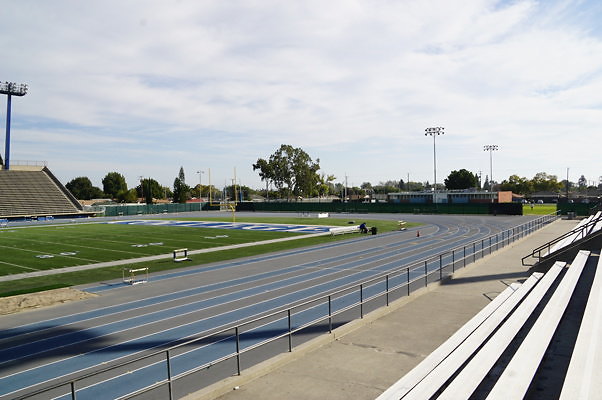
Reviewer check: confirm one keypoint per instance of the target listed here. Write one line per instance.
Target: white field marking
(20, 266)
(43, 253)
(77, 245)
(157, 332)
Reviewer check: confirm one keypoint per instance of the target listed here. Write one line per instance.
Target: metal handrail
(536, 253)
(507, 236)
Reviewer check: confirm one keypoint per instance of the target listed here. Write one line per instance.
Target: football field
(26, 249)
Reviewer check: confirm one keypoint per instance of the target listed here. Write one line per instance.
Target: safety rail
(585, 227)
(242, 337)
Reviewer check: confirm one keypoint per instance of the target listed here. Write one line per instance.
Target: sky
(146, 87)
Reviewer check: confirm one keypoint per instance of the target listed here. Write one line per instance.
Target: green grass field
(539, 209)
(82, 244)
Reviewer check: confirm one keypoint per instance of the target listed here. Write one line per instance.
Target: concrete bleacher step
(584, 375)
(27, 193)
(426, 378)
(498, 354)
(518, 374)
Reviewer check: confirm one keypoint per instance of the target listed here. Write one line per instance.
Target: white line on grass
(19, 266)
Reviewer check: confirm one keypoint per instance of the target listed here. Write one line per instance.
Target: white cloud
(224, 83)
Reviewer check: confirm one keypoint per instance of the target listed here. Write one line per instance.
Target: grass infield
(26, 249)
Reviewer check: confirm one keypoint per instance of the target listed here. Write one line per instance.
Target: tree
(543, 182)
(582, 183)
(291, 170)
(113, 183)
(81, 187)
(127, 196)
(150, 189)
(516, 184)
(462, 179)
(180, 189)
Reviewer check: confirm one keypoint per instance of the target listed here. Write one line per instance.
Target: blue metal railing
(163, 368)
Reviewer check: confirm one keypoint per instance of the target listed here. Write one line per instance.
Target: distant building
(451, 197)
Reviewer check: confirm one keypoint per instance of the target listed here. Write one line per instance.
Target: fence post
(474, 252)
(361, 300)
(408, 279)
(426, 276)
(290, 334)
(387, 289)
(464, 258)
(453, 261)
(329, 314)
(73, 394)
(237, 350)
(482, 248)
(169, 383)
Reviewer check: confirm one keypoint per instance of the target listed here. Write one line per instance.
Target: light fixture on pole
(200, 189)
(10, 89)
(490, 148)
(434, 132)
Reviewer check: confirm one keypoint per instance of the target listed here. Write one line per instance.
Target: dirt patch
(24, 302)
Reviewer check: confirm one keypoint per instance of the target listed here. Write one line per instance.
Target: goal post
(134, 276)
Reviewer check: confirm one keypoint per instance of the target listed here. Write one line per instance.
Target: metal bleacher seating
(508, 350)
(32, 193)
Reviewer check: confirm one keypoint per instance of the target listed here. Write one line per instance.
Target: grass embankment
(36, 284)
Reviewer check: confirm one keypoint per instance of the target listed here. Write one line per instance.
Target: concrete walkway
(362, 359)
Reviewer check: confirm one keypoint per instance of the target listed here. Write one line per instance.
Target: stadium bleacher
(31, 192)
(539, 339)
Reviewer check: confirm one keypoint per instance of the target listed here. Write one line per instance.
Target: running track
(42, 346)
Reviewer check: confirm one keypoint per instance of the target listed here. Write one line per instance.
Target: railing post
(361, 300)
(490, 246)
(387, 289)
(474, 252)
(237, 350)
(73, 391)
(329, 314)
(464, 258)
(290, 328)
(169, 384)
(408, 279)
(426, 276)
(440, 266)
(482, 248)
(453, 261)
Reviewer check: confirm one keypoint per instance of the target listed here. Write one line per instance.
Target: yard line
(75, 245)
(19, 266)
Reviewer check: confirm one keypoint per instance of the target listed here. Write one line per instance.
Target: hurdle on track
(180, 255)
(130, 277)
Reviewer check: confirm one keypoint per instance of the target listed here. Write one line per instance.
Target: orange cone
(417, 233)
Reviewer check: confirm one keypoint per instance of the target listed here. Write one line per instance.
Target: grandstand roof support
(10, 89)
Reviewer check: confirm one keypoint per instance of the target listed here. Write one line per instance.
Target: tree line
(291, 173)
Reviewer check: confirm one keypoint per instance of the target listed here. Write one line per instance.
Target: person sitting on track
(363, 228)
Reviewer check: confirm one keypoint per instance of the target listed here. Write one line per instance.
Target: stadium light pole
(200, 189)
(490, 148)
(434, 132)
(10, 89)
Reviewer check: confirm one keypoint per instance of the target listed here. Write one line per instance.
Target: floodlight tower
(10, 89)
(434, 132)
(490, 148)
